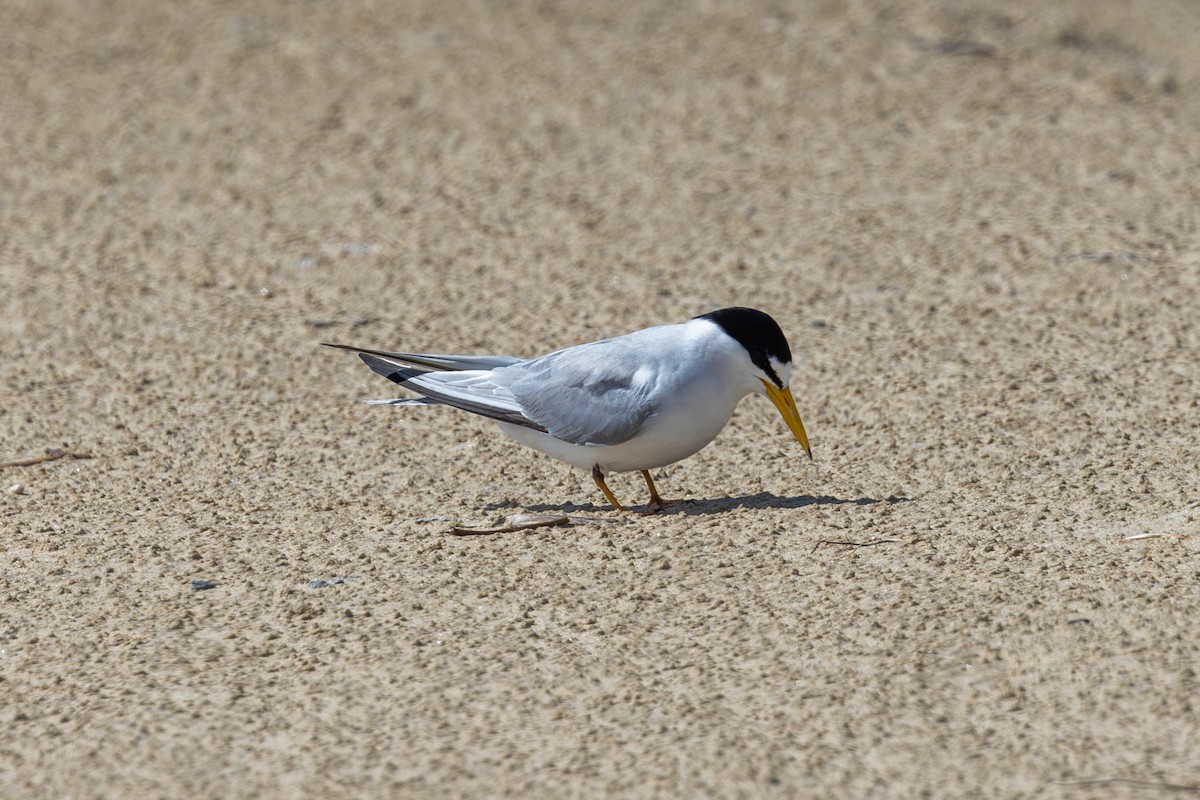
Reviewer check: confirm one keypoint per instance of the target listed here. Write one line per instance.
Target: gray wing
(470, 390)
(598, 393)
(435, 362)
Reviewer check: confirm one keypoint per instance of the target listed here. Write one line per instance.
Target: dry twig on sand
(841, 543)
(52, 454)
(1175, 787)
(523, 522)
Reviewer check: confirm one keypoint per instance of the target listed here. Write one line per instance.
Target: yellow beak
(782, 398)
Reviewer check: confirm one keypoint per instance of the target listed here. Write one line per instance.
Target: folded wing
(598, 393)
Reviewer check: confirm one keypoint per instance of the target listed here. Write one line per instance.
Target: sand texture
(225, 577)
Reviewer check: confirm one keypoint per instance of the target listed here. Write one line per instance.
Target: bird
(630, 403)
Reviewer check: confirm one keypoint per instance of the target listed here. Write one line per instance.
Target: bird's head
(770, 360)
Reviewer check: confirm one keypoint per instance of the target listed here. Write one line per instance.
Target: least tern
(631, 403)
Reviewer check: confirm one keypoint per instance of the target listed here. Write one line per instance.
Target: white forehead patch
(784, 371)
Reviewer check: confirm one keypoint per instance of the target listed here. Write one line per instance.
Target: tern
(631, 403)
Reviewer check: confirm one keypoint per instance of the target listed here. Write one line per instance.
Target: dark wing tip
(389, 369)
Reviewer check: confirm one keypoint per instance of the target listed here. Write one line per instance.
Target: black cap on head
(758, 333)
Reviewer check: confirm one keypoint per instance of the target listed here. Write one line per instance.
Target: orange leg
(598, 477)
(656, 503)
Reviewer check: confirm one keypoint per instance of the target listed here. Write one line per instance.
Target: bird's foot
(657, 504)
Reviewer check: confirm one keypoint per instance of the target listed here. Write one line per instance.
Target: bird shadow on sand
(721, 505)
(717, 505)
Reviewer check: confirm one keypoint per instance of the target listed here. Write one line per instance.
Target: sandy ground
(978, 223)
